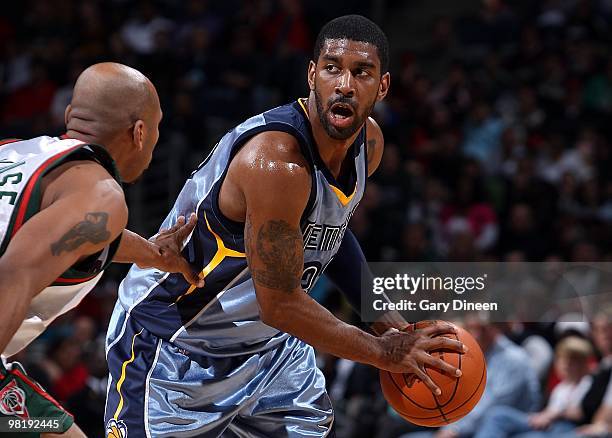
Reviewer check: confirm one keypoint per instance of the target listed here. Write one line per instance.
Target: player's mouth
(341, 115)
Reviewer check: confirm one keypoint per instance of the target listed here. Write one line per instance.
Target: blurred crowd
(497, 149)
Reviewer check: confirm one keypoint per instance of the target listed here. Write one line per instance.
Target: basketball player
(235, 358)
(63, 214)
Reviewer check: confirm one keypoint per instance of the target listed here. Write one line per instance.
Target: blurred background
(497, 133)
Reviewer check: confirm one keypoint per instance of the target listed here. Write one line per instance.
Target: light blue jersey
(233, 356)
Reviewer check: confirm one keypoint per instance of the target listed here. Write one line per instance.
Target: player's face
(347, 82)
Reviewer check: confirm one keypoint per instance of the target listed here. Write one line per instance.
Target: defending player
(273, 200)
(63, 214)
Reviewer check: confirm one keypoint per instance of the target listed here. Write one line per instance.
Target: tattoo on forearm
(279, 247)
(91, 230)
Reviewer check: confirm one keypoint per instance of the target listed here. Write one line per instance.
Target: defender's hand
(169, 244)
(408, 352)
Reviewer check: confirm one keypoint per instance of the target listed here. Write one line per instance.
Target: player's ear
(312, 68)
(138, 134)
(383, 86)
(67, 114)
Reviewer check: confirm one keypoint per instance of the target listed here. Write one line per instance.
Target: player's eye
(332, 68)
(360, 72)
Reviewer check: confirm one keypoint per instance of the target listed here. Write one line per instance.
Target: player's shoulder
(87, 181)
(375, 144)
(373, 128)
(274, 154)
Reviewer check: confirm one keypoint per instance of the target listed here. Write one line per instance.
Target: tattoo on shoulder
(91, 230)
(278, 245)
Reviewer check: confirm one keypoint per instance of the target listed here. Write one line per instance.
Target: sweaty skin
(267, 187)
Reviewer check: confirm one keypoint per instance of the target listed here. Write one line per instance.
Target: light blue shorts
(158, 390)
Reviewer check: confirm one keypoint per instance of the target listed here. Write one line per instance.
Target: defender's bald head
(108, 98)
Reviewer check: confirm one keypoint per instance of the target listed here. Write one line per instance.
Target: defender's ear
(138, 135)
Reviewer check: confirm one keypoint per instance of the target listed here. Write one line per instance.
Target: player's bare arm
(82, 211)
(275, 186)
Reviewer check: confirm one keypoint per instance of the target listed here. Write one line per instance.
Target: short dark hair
(355, 28)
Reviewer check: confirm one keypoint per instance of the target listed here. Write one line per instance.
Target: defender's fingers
(190, 275)
(180, 221)
(186, 229)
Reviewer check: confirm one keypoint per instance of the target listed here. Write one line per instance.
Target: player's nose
(346, 84)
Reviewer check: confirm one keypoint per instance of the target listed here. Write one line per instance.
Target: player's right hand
(408, 352)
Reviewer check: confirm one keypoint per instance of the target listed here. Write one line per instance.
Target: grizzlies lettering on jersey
(222, 318)
(23, 164)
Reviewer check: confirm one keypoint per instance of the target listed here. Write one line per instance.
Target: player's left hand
(169, 243)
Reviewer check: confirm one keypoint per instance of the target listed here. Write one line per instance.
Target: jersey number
(312, 271)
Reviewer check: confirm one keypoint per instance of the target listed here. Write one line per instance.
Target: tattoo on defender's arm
(91, 230)
(279, 246)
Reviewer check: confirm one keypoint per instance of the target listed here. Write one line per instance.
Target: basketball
(415, 402)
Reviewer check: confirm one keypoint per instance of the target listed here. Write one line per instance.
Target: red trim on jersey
(75, 280)
(9, 140)
(30, 187)
(36, 387)
(67, 137)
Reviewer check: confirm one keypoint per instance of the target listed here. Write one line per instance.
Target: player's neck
(115, 152)
(332, 151)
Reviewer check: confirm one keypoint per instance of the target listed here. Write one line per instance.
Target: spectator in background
(469, 214)
(511, 381)
(595, 411)
(65, 368)
(572, 357)
(30, 102)
(141, 31)
(521, 233)
(483, 133)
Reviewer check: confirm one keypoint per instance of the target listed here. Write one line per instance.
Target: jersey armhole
(89, 267)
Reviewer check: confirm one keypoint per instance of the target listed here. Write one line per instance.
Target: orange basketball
(415, 402)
